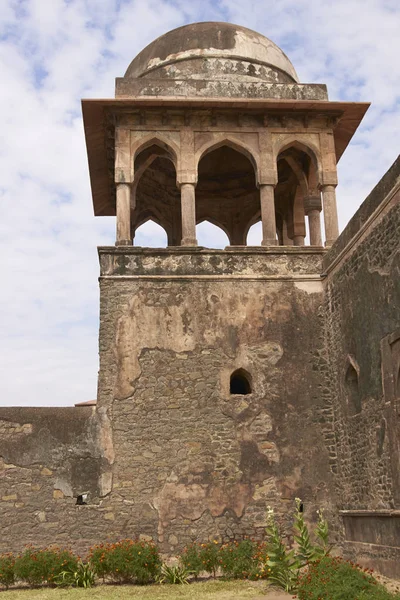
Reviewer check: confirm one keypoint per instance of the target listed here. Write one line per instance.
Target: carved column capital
(312, 203)
(183, 177)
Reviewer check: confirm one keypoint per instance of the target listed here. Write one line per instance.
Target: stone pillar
(188, 209)
(312, 208)
(330, 214)
(133, 206)
(268, 219)
(286, 240)
(298, 240)
(123, 214)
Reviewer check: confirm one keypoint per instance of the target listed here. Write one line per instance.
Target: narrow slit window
(240, 383)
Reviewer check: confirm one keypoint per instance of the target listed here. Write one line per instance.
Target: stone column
(268, 219)
(123, 214)
(133, 206)
(330, 214)
(298, 240)
(312, 208)
(188, 209)
(286, 240)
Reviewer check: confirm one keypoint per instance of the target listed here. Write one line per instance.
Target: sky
(55, 52)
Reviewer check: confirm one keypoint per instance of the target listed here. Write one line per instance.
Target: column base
(123, 243)
(189, 242)
(329, 243)
(269, 243)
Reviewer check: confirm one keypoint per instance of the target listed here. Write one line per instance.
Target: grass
(210, 590)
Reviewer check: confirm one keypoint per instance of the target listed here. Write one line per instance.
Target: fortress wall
(47, 457)
(362, 336)
(192, 461)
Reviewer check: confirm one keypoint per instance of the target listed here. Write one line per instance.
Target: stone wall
(193, 461)
(362, 336)
(47, 457)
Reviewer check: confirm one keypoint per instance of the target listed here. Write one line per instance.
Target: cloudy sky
(54, 52)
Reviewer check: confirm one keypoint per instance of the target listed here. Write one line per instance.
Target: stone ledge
(249, 263)
(215, 251)
(370, 513)
(218, 88)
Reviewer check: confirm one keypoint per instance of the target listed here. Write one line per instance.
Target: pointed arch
(254, 230)
(231, 142)
(214, 222)
(215, 226)
(256, 218)
(298, 171)
(158, 234)
(292, 141)
(170, 148)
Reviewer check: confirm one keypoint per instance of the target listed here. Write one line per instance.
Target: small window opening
(81, 499)
(353, 396)
(301, 507)
(240, 383)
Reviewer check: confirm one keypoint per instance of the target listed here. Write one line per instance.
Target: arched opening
(352, 390)
(240, 383)
(210, 235)
(151, 235)
(226, 191)
(296, 166)
(155, 192)
(254, 235)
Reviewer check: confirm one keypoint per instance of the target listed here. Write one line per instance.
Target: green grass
(210, 590)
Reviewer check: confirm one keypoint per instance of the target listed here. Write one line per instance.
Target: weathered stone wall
(47, 457)
(193, 461)
(362, 336)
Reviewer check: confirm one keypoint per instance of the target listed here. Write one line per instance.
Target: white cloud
(54, 53)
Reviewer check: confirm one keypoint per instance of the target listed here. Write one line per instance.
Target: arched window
(352, 391)
(155, 195)
(254, 235)
(151, 235)
(211, 236)
(226, 192)
(240, 382)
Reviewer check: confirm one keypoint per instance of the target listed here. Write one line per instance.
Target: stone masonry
(229, 379)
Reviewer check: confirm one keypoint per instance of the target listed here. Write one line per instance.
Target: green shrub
(284, 565)
(37, 567)
(209, 557)
(241, 560)
(191, 561)
(126, 561)
(7, 576)
(174, 575)
(332, 578)
(83, 576)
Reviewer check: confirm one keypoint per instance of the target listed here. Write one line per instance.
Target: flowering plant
(36, 567)
(7, 576)
(126, 561)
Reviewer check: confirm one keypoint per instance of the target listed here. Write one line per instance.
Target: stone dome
(213, 50)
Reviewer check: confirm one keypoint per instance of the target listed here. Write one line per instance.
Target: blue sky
(53, 53)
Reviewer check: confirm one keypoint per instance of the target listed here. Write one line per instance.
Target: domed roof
(210, 40)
